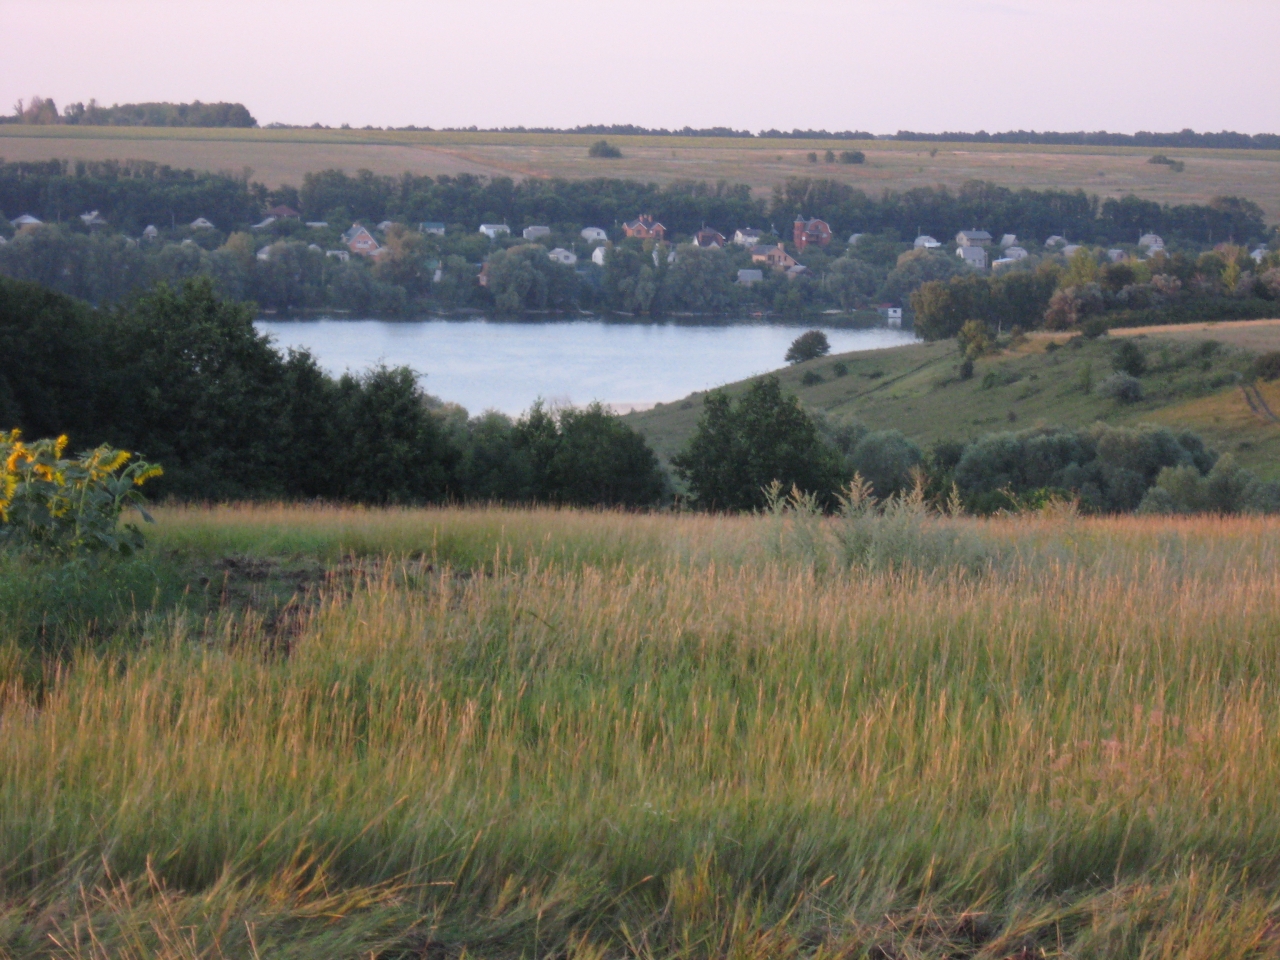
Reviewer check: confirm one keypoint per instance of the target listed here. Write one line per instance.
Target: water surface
(484, 364)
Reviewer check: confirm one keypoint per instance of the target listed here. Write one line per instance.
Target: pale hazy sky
(878, 65)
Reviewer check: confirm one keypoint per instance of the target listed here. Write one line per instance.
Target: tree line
(43, 110)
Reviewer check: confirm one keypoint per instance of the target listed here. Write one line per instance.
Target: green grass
(500, 733)
(917, 389)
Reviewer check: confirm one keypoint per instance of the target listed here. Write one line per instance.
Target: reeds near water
(545, 733)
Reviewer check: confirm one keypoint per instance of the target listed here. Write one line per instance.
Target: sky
(877, 65)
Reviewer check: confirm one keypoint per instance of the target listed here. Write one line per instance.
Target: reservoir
(483, 364)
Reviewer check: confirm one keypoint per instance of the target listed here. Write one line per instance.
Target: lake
(506, 366)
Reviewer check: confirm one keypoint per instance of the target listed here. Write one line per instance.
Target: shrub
(852, 156)
(808, 346)
(811, 378)
(1121, 387)
(604, 149)
(1267, 366)
(886, 459)
(841, 369)
(966, 368)
(974, 339)
(64, 507)
(1129, 359)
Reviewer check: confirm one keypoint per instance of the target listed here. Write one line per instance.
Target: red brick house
(360, 241)
(645, 228)
(806, 232)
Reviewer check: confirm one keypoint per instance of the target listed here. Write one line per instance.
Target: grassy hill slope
(1045, 381)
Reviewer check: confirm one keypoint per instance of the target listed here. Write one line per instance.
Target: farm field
(300, 732)
(1193, 382)
(284, 156)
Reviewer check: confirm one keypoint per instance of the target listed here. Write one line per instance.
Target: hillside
(284, 156)
(1192, 382)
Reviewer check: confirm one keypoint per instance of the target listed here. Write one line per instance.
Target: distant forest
(40, 110)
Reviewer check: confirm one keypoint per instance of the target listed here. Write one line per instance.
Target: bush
(886, 459)
(1267, 366)
(1129, 359)
(604, 149)
(852, 156)
(811, 378)
(62, 507)
(1121, 387)
(808, 346)
(966, 368)
(841, 369)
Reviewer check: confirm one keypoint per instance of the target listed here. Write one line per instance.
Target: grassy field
(284, 156)
(309, 732)
(1193, 381)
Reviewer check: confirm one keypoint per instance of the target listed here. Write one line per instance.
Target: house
(747, 238)
(561, 255)
(282, 212)
(386, 225)
(1115, 255)
(1151, 242)
(264, 224)
(1002, 263)
(973, 238)
(341, 255)
(974, 256)
(598, 255)
(317, 224)
(1008, 240)
(1069, 249)
(892, 315)
(536, 233)
(265, 253)
(1259, 255)
(1016, 253)
(854, 238)
(592, 234)
(25, 222)
(1056, 241)
(748, 277)
(494, 230)
(434, 227)
(360, 241)
(150, 233)
(315, 247)
(926, 242)
(776, 257)
(200, 223)
(93, 219)
(797, 270)
(645, 228)
(805, 232)
(711, 239)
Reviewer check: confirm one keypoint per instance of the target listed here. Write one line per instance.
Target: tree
(739, 448)
(914, 269)
(1129, 359)
(852, 281)
(525, 278)
(701, 280)
(604, 149)
(808, 346)
(886, 458)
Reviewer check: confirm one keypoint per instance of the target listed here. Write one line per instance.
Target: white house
(1151, 242)
(386, 225)
(561, 255)
(747, 277)
(973, 238)
(93, 219)
(536, 233)
(746, 238)
(200, 223)
(26, 220)
(1002, 263)
(855, 237)
(265, 253)
(974, 256)
(597, 256)
(592, 234)
(1015, 253)
(1069, 249)
(434, 227)
(926, 242)
(317, 224)
(493, 230)
(1008, 240)
(1259, 255)
(264, 224)
(315, 247)
(1056, 241)
(150, 233)
(892, 315)
(1115, 254)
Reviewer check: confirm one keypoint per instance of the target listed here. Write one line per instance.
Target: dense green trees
(741, 446)
(184, 378)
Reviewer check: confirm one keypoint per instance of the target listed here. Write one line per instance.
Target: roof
(280, 210)
(355, 231)
(93, 219)
(975, 234)
(25, 220)
(201, 223)
(750, 274)
(431, 225)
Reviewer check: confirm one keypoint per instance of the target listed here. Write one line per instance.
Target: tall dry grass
(549, 733)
